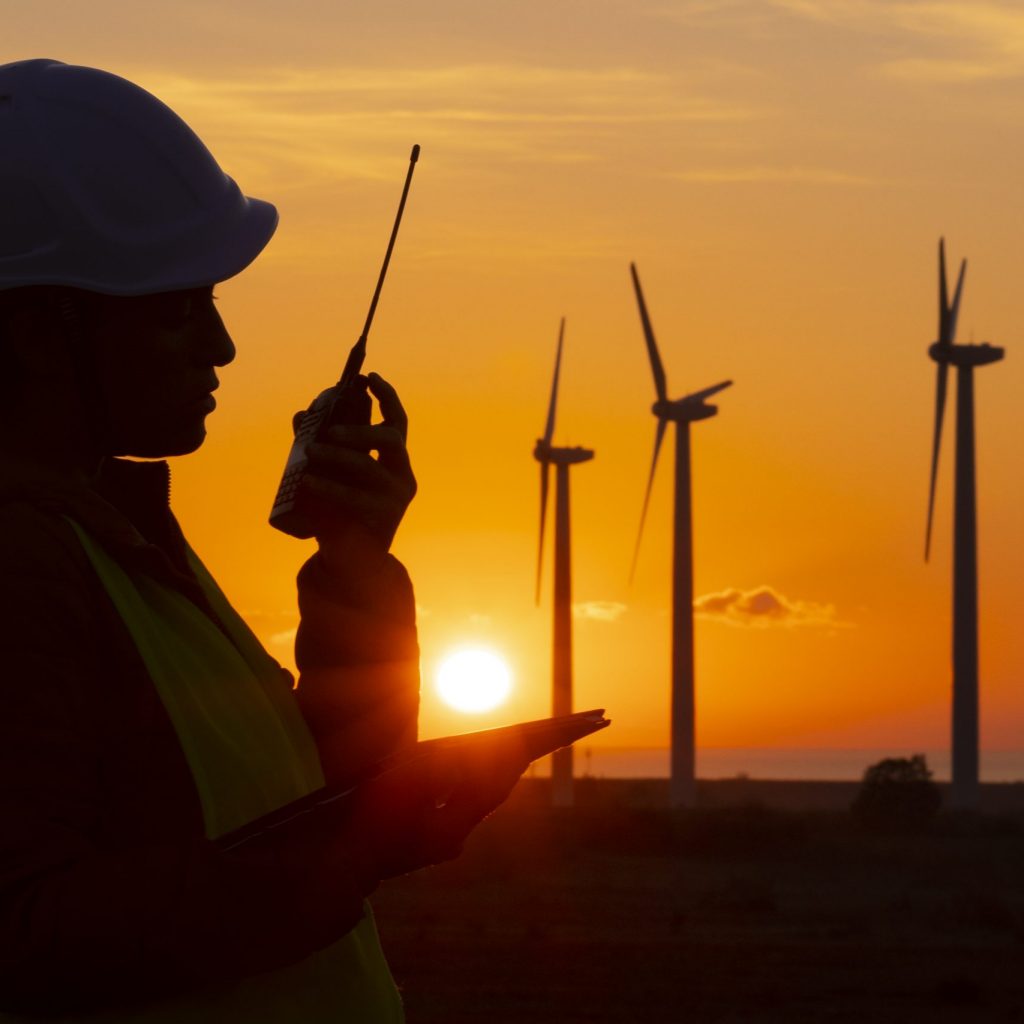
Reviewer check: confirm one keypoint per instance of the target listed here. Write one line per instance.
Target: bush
(897, 793)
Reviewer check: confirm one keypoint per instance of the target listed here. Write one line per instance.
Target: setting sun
(473, 679)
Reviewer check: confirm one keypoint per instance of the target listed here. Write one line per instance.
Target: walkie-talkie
(346, 402)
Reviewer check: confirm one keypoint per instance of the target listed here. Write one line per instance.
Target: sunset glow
(474, 680)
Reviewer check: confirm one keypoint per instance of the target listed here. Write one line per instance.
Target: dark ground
(619, 910)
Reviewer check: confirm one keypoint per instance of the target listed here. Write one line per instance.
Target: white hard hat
(105, 188)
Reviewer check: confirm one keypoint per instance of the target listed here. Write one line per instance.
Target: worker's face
(155, 358)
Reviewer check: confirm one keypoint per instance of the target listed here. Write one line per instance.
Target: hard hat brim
(210, 253)
(231, 248)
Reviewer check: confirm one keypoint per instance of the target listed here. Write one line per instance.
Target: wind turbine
(682, 412)
(561, 458)
(965, 529)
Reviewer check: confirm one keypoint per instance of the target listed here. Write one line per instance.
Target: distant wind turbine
(682, 412)
(561, 458)
(965, 533)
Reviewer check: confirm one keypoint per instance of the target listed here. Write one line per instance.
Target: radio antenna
(354, 363)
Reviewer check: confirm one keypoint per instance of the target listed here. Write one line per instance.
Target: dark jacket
(108, 888)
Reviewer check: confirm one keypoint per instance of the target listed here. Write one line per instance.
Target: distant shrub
(897, 793)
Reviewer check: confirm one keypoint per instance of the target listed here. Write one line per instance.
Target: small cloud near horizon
(762, 607)
(599, 611)
(276, 627)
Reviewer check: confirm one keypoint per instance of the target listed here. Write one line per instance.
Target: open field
(618, 910)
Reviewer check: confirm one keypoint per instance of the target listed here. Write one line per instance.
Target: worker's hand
(421, 813)
(354, 499)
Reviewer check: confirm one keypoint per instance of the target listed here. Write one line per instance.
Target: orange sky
(779, 169)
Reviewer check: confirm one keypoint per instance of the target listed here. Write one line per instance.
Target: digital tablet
(538, 738)
(544, 736)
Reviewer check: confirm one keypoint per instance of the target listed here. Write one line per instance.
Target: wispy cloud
(762, 607)
(948, 40)
(347, 121)
(924, 69)
(970, 39)
(599, 611)
(759, 174)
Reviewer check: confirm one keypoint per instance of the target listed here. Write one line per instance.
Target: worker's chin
(164, 444)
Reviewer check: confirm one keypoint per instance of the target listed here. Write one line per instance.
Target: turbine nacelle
(683, 410)
(549, 454)
(689, 408)
(966, 355)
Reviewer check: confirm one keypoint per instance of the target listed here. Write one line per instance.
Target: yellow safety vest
(249, 752)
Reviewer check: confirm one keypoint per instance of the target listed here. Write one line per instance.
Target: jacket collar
(125, 507)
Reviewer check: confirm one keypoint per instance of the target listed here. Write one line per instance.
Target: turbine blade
(660, 385)
(954, 310)
(940, 405)
(658, 438)
(943, 296)
(544, 467)
(549, 427)
(699, 396)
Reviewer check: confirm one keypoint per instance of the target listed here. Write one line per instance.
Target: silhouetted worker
(139, 718)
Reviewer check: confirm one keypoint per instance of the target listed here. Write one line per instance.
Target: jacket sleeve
(358, 660)
(87, 921)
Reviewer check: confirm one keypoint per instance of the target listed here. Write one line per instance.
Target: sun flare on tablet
(473, 679)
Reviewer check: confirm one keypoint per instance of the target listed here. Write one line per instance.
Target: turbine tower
(682, 412)
(965, 530)
(561, 458)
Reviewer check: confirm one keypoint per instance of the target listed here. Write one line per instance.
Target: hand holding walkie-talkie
(371, 494)
(345, 404)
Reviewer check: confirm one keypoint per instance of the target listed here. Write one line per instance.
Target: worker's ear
(36, 343)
